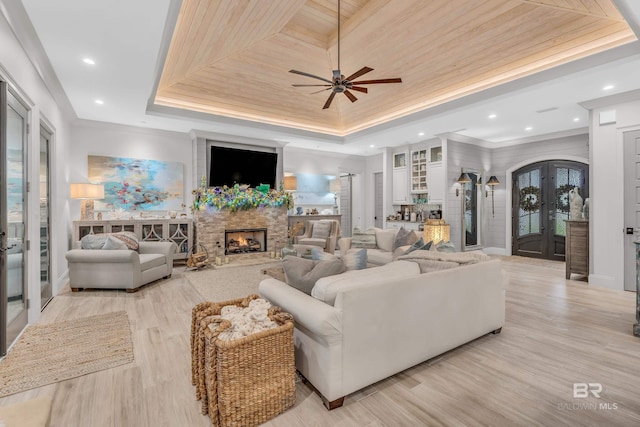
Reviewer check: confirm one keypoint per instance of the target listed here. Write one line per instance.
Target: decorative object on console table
(87, 193)
(636, 326)
(334, 187)
(436, 231)
(577, 247)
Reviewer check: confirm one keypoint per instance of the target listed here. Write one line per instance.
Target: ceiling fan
(340, 84)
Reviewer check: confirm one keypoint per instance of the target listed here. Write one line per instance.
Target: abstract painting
(136, 184)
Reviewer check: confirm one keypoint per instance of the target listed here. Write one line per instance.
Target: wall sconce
(493, 181)
(87, 193)
(462, 179)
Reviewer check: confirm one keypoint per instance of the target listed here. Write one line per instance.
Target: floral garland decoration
(530, 199)
(238, 197)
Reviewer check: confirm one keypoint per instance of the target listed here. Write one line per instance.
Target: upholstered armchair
(323, 233)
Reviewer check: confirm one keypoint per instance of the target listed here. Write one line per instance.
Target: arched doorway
(541, 204)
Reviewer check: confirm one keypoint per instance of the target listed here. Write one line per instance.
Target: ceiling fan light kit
(340, 84)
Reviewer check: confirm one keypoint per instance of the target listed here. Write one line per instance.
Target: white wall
(606, 209)
(298, 160)
(106, 139)
(17, 68)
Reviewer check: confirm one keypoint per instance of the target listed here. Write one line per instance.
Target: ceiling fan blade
(359, 89)
(309, 85)
(321, 90)
(371, 82)
(360, 72)
(351, 96)
(302, 73)
(326, 104)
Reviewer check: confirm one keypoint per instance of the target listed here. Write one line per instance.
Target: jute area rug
(46, 354)
(228, 283)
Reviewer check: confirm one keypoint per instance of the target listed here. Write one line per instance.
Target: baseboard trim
(495, 251)
(608, 282)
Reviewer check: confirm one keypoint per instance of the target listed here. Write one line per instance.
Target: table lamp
(87, 193)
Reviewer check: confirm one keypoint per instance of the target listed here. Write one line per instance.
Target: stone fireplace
(212, 225)
(245, 241)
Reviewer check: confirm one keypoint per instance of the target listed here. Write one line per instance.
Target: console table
(179, 231)
(577, 247)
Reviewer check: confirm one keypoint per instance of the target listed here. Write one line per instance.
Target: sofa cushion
(93, 241)
(385, 238)
(111, 243)
(363, 239)
(148, 261)
(404, 237)
(313, 242)
(379, 257)
(321, 230)
(327, 288)
(302, 274)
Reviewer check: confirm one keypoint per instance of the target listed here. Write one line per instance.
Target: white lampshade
(87, 191)
(335, 185)
(290, 183)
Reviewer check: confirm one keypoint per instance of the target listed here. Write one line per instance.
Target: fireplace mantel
(211, 224)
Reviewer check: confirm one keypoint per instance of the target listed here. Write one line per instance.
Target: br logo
(582, 390)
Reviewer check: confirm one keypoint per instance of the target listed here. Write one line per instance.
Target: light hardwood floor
(558, 332)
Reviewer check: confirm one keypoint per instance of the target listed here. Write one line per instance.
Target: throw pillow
(364, 239)
(93, 241)
(113, 243)
(404, 237)
(318, 254)
(321, 230)
(128, 238)
(303, 274)
(416, 245)
(445, 247)
(353, 259)
(385, 238)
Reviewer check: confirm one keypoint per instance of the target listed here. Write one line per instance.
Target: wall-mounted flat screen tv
(229, 166)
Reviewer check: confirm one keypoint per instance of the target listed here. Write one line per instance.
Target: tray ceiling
(232, 58)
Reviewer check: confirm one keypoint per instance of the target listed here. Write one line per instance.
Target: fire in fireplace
(245, 241)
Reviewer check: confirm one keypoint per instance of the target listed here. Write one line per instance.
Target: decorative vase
(288, 249)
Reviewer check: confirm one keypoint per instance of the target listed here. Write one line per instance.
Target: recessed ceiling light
(528, 128)
(608, 87)
(89, 61)
(577, 119)
(421, 134)
(99, 101)
(492, 116)
(371, 146)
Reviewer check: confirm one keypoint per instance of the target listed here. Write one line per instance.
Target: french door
(13, 290)
(541, 206)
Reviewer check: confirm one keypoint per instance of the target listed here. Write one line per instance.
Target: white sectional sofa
(366, 325)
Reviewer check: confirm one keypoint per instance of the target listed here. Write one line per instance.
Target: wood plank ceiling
(232, 58)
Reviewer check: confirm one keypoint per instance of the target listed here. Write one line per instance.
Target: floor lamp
(87, 193)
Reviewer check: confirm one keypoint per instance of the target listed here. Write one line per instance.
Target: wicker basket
(243, 382)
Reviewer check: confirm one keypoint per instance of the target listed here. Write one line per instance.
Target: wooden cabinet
(179, 231)
(400, 186)
(577, 247)
(436, 183)
(419, 171)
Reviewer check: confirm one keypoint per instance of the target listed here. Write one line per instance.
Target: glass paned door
(13, 137)
(45, 243)
(541, 206)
